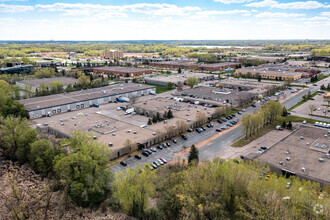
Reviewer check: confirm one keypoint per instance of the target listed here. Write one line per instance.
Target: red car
(218, 130)
(162, 159)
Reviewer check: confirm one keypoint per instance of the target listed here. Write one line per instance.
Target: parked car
(164, 145)
(175, 141)
(218, 129)
(184, 137)
(160, 162)
(162, 159)
(229, 117)
(168, 144)
(219, 121)
(233, 122)
(124, 163)
(199, 130)
(304, 122)
(233, 115)
(223, 119)
(145, 153)
(243, 110)
(190, 130)
(239, 113)
(149, 151)
(264, 148)
(229, 125)
(316, 124)
(154, 165)
(153, 149)
(160, 147)
(208, 125)
(204, 128)
(253, 105)
(138, 156)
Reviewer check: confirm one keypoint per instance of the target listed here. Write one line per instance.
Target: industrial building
(55, 104)
(19, 69)
(117, 70)
(225, 96)
(272, 71)
(193, 65)
(177, 79)
(113, 54)
(304, 153)
(33, 84)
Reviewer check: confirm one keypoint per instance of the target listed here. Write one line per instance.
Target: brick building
(113, 54)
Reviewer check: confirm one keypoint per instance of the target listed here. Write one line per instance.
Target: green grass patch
(303, 101)
(243, 141)
(320, 116)
(159, 88)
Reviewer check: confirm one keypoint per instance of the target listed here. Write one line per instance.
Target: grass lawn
(243, 141)
(320, 116)
(302, 101)
(160, 89)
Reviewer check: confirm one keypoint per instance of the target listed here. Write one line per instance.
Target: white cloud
(231, 12)
(232, 1)
(15, 8)
(278, 15)
(290, 5)
(325, 13)
(144, 8)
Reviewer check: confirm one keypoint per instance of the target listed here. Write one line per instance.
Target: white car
(304, 122)
(316, 124)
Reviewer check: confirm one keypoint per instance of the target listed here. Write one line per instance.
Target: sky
(89, 20)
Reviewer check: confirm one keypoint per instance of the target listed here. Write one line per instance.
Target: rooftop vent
(288, 151)
(288, 158)
(281, 163)
(303, 169)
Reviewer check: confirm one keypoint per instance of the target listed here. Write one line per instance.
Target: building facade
(113, 54)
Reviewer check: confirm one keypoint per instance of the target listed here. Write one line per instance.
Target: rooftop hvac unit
(303, 169)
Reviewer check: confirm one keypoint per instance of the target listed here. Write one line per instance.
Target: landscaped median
(279, 121)
(303, 101)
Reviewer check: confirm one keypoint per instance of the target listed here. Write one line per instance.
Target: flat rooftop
(288, 70)
(120, 69)
(175, 78)
(71, 97)
(36, 82)
(306, 146)
(219, 64)
(217, 94)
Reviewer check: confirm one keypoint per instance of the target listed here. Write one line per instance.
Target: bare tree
(133, 99)
(312, 107)
(181, 126)
(201, 118)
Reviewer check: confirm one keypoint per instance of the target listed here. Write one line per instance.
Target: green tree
(170, 85)
(284, 112)
(82, 169)
(149, 122)
(170, 114)
(41, 156)
(283, 124)
(192, 81)
(16, 138)
(133, 189)
(193, 154)
(56, 86)
(289, 126)
(84, 82)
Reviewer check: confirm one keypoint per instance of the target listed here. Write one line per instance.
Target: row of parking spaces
(193, 138)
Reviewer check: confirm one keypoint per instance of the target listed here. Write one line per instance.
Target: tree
(181, 126)
(323, 87)
(179, 70)
(43, 89)
(133, 189)
(312, 107)
(149, 122)
(56, 86)
(16, 138)
(133, 99)
(289, 126)
(192, 81)
(169, 114)
(201, 118)
(259, 78)
(170, 85)
(97, 83)
(41, 156)
(84, 82)
(82, 169)
(285, 112)
(193, 154)
(283, 124)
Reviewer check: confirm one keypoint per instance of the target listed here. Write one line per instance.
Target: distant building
(19, 69)
(271, 71)
(113, 54)
(118, 70)
(33, 84)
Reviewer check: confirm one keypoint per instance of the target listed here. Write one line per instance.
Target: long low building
(65, 102)
(118, 70)
(177, 79)
(271, 71)
(195, 66)
(33, 84)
